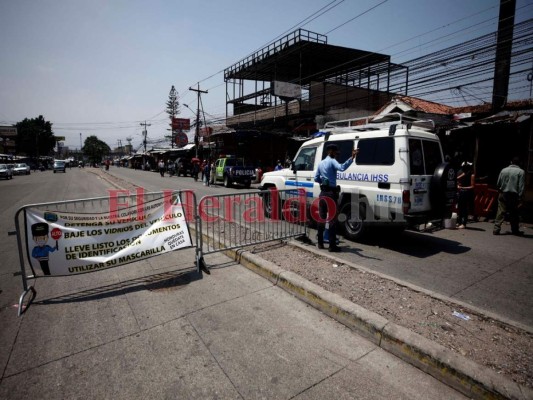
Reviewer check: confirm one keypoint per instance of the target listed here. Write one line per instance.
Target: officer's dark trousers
(323, 213)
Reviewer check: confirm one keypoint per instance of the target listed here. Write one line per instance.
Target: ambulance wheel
(353, 227)
(443, 189)
(268, 204)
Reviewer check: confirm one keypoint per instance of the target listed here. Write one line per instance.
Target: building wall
(340, 100)
(270, 113)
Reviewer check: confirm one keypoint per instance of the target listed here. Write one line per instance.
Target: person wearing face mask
(40, 252)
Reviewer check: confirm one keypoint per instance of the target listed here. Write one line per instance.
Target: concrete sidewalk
(151, 329)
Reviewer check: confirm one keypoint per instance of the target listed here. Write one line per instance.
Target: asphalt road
(150, 329)
(493, 273)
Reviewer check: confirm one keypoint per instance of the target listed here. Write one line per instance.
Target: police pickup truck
(398, 180)
(231, 170)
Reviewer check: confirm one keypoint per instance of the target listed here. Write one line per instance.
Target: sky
(103, 67)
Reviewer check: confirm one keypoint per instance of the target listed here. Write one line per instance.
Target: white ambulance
(398, 180)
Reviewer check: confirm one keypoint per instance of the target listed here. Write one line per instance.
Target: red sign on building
(181, 124)
(181, 139)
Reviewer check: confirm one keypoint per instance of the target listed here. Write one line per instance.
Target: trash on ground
(461, 315)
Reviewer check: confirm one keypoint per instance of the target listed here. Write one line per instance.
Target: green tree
(35, 137)
(95, 149)
(172, 110)
(173, 103)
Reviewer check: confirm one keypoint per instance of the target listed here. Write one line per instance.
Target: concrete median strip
(468, 377)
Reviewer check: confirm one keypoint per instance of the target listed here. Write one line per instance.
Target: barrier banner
(68, 243)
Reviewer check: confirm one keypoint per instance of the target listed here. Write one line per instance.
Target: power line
(320, 12)
(357, 16)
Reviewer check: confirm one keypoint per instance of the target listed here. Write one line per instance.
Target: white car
(60, 166)
(21, 169)
(399, 178)
(5, 172)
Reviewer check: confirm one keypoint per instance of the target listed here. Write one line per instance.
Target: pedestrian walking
(161, 167)
(202, 166)
(195, 170)
(511, 183)
(207, 172)
(212, 172)
(465, 185)
(171, 168)
(326, 176)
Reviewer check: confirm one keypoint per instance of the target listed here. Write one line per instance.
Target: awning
(507, 117)
(170, 151)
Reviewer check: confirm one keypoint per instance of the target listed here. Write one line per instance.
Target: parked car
(183, 166)
(232, 170)
(5, 172)
(60, 166)
(21, 169)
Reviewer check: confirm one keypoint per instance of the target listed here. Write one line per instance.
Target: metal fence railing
(231, 221)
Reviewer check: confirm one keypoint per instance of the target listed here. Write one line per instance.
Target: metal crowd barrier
(135, 216)
(231, 221)
(105, 232)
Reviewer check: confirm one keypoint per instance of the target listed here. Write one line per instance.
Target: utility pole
(129, 139)
(145, 133)
(197, 134)
(502, 63)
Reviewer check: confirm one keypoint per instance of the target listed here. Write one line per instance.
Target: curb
(464, 375)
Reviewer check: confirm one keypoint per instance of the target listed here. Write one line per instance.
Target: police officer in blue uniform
(326, 176)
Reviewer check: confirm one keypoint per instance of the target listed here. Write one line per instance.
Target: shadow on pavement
(163, 281)
(416, 244)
